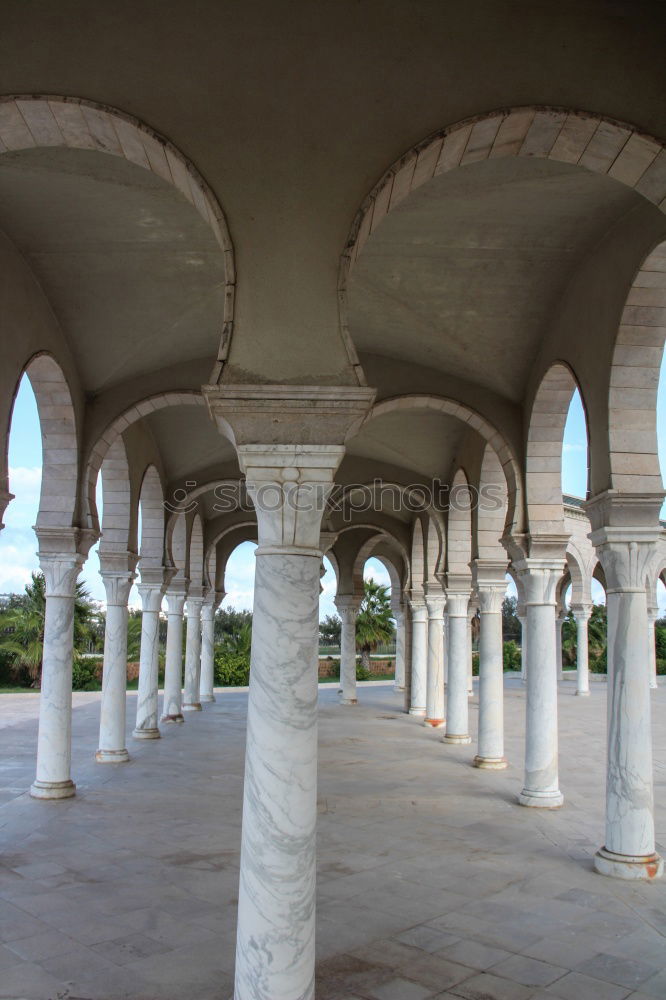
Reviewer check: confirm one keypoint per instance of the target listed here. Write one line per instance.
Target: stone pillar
(151, 591)
(652, 615)
(491, 588)
(582, 616)
(407, 693)
(457, 711)
(523, 647)
(417, 705)
(471, 612)
(113, 712)
(434, 715)
(559, 622)
(625, 532)
(173, 666)
(60, 563)
(289, 484)
(399, 616)
(348, 607)
(540, 577)
(193, 606)
(207, 682)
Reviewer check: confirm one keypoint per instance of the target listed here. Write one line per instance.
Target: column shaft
(348, 610)
(582, 653)
(113, 710)
(491, 682)
(434, 716)
(173, 666)
(207, 682)
(146, 708)
(191, 701)
(399, 682)
(457, 709)
(419, 658)
(559, 622)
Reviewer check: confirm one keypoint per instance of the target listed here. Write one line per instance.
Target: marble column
(207, 682)
(54, 742)
(399, 616)
(457, 710)
(582, 617)
(523, 647)
(112, 749)
(559, 622)
(276, 907)
(434, 716)
(193, 608)
(491, 588)
(348, 607)
(173, 666)
(419, 611)
(151, 592)
(625, 532)
(407, 693)
(652, 615)
(540, 577)
(470, 650)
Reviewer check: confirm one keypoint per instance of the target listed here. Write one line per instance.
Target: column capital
(348, 607)
(435, 603)
(195, 603)
(151, 596)
(457, 602)
(117, 587)
(625, 533)
(175, 602)
(581, 612)
(491, 597)
(62, 553)
(540, 578)
(417, 606)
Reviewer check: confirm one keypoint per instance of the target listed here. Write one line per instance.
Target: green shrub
(85, 674)
(512, 655)
(362, 673)
(598, 665)
(475, 664)
(232, 669)
(661, 666)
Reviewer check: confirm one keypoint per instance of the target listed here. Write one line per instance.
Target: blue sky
(18, 544)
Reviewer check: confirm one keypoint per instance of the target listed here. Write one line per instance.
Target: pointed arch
(151, 502)
(634, 380)
(543, 463)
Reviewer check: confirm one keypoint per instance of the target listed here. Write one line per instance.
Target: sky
(18, 546)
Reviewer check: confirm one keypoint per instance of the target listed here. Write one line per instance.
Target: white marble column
(407, 693)
(652, 615)
(523, 647)
(151, 592)
(276, 907)
(399, 616)
(540, 577)
(434, 716)
(54, 742)
(625, 534)
(173, 665)
(193, 607)
(559, 622)
(457, 710)
(417, 705)
(470, 649)
(207, 681)
(582, 617)
(491, 588)
(113, 709)
(348, 606)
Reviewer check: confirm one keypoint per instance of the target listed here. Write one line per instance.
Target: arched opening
(575, 450)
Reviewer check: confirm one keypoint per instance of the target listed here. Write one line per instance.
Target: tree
(228, 621)
(373, 622)
(22, 628)
(329, 630)
(510, 623)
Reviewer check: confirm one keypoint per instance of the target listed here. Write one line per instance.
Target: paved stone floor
(432, 881)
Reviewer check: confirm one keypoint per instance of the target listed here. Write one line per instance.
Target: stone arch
(176, 545)
(60, 452)
(95, 457)
(30, 121)
(151, 501)
(382, 536)
(593, 142)
(483, 427)
(435, 551)
(459, 535)
(195, 563)
(116, 492)
(543, 463)
(634, 380)
(224, 543)
(490, 510)
(417, 561)
(366, 552)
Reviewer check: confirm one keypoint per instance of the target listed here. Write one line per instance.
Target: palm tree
(22, 627)
(373, 622)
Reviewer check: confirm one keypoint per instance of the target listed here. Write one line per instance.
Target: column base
(146, 734)
(194, 707)
(654, 687)
(583, 694)
(112, 756)
(455, 738)
(491, 763)
(349, 701)
(417, 711)
(627, 867)
(172, 718)
(435, 723)
(541, 800)
(52, 789)
(206, 698)
(397, 687)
